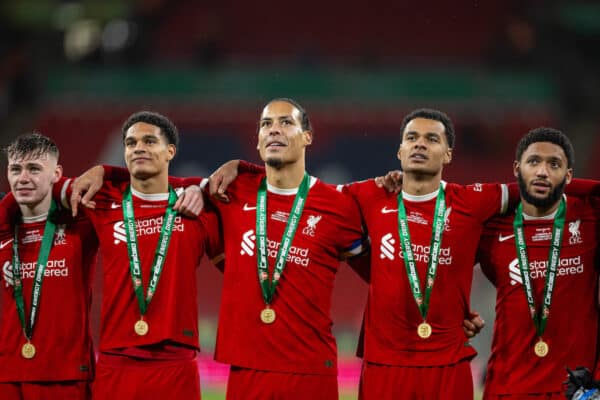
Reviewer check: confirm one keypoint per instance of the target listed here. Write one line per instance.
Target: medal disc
(28, 351)
(424, 330)
(541, 349)
(141, 327)
(267, 316)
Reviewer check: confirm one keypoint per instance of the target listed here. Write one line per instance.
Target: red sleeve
(361, 264)
(116, 174)
(57, 189)
(514, 197)
(249, 167)
(184, 182)
(583, 188)
(213, 237)
(120, 174)
(487, 199)
(9, 210)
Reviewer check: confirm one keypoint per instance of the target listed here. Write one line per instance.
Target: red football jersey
(392, 315)
(61, 334)
(571, 330)
(300, 339)
(172, 314)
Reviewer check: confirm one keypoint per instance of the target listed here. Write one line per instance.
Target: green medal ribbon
(435, 248)
(268, 289)
(47, 240)
(540, 318)
(159, 255)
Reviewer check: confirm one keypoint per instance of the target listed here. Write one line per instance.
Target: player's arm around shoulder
(483, 200)
(355, 242)
(212, 236)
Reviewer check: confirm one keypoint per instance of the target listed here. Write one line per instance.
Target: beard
(545, 202)
(274, 162)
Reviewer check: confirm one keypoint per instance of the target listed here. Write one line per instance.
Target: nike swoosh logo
(504, 238)
(115, 205)
(5, 243)
(386, 210)
(248, 208)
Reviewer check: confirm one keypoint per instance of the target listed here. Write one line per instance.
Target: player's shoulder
(365, 190)
(110, 195)
(246, 181)
(577, 203)
(331, 197)
(499, 223)
(476, 188)
(329, 191)
(580, 208)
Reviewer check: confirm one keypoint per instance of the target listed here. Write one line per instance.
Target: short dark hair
(32, 145)
(167, 128)
(551, 135)
(429, 113)
(304, 119)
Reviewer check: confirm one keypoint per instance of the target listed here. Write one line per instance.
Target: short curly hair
(167, 128)
(551, 135)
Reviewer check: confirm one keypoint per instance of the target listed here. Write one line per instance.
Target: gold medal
(424, 330)
(541, 348)
(267, 315)
(141, 327)
(28, 351)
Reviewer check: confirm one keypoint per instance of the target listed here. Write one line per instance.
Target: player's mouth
(419, 157)
(275, 144)
(541, 186)
(140, 159)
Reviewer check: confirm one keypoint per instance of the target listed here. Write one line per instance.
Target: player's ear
(448, 156)
(516, 168)
(172, 150)
(308, 138)
(58, 172)
(569, 175)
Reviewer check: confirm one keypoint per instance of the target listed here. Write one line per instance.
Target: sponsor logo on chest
(388, 249)
(538, 269)
(145, 227)
(296, 255)
(57, 268)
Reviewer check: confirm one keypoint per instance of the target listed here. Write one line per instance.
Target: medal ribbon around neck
(159, 255)
(268, 289)
(435, 247)
(540, 318)
(36, 292)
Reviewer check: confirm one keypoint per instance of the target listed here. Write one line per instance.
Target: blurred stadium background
(75, 69)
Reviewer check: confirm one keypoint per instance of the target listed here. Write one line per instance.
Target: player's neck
(152, 185)
(287, 176)
(536, 212)
(36, 210)
(418, 185)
